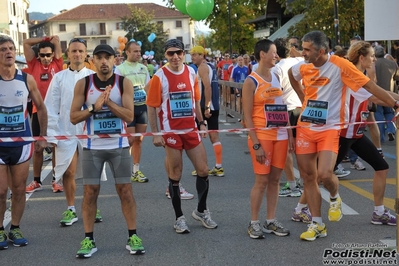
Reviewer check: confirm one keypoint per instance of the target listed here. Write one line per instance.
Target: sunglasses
(172, 53)
(45, 55)
(78, 40)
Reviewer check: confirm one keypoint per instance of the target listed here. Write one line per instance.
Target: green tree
(140, 26)
(241, 33)
(319, 15)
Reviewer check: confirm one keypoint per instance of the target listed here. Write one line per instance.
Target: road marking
(326, 196)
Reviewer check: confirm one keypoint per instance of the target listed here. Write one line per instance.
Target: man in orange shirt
(222, 72)
(43, 67)
(326, 79)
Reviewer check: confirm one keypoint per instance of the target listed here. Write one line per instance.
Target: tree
(319, 15)
(140, 26)
(241, 34)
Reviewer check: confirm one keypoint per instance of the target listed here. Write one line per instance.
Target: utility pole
(336, 23)
(230, 40)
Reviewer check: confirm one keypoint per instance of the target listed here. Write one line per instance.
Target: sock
(37, 179)
(299, 207)
(89, 235)
(132, 232)
(254, 222)
(202, 186)
(12, 227)
(318, 220)
(72, 208)
(334, 198)
(292, 184)
(136, 167)
(217, 149)
(270, 221)
(174, 191)
(379, 210)
(379, 149)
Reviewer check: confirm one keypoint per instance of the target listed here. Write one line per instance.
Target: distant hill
(40, 16)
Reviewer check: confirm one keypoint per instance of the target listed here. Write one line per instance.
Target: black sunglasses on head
(45, 55)
(172, 53)
(78, 40)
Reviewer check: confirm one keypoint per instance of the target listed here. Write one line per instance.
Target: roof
(283, 31)
(114, 12)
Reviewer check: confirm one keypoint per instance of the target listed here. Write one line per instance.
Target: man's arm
(296, 85)
(77, 114)
(52, 101)
(203, 72)
(55, 40)
(34, 94)
(126, 111)
(380, 93)
(28, 51)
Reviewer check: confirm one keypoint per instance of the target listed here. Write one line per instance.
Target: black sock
(174, 191)
(90, 235)
(202, 185)
(12, 227)
(132, 232)
(37, 179)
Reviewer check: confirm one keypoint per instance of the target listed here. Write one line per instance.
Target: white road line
(346, 210)
(46, 170)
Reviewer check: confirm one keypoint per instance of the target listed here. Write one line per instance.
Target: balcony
(92, 34)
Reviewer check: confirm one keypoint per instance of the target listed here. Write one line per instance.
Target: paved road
(229, 244)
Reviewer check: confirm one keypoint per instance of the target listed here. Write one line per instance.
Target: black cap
(104, 48)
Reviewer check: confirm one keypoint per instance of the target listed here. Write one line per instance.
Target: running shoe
(386, 218)
(16, 237)
(303, 216)
(381, 153)
(68, 218)
(33, 186)
(217, 171)
(47, 154)
(181, 225)
(391, 136)
(204, 218)
(314, 231)
(255, 231)
(3, 240)
(184, 195)
(346, 159)
(134, 245)
(341, 172)
(98, 218)
(194, 173)
(276, 228)
(87, 248)
(358, 165)
(335, 210)
(296, 192)
(139, 177)
(57, 187)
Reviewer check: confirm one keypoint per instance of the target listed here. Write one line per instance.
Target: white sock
(292, 184)
(136, 167)
(270, 221)
(318, 220)
(379, 210)
(254, 222)
(299, 207)
(335, 197)
(72, 208)
(218, 165)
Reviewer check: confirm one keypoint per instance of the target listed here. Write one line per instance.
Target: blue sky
(54, 6)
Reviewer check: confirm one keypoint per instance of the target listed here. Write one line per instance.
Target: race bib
(276, 115)
(363, 116)
(315, 112)
(12, 119)
(139, 95)
(106, 122)
(181, 105)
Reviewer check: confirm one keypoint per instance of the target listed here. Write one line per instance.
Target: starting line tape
(149, 134)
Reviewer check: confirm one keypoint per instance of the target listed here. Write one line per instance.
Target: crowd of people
(292, 83)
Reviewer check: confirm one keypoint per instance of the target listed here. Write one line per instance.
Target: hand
(207, 113)
(260, 156)
(40, 145)
(158, 141)
(202, 128)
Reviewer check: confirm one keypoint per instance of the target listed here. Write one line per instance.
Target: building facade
(102, 24)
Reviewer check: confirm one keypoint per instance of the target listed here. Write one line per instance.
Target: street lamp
(18, 34)
(230, 37)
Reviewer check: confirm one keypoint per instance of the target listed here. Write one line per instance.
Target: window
(103, 41)
(180, 38)
(82, 29)
(14, 11)
(101, 27)
(119, 26)
(62, 27)
(63, 45)
(178, 24)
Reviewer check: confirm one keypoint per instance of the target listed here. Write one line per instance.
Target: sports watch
(256, 147)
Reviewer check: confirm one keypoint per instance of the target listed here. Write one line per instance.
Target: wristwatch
(396, 106)
(207, 108)
(256, 146)
(91, 109)
(203, 122)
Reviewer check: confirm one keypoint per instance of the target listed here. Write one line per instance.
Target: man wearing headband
(174, 90)
(209, 88)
